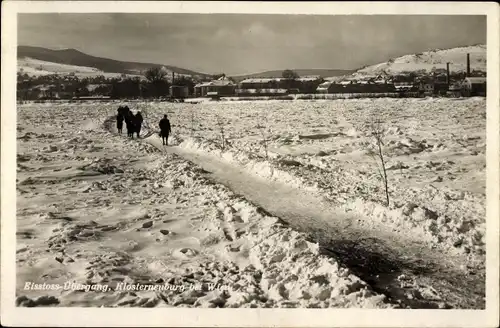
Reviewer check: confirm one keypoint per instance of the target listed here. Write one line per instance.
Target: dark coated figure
(164, 129)
(138, 119)
(119, 120)
(129, 122)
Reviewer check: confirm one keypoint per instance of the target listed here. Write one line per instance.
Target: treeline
(154, 84)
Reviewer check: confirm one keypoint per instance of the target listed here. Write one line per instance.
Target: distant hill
(75, 58)
(302, 72)
(457, 57)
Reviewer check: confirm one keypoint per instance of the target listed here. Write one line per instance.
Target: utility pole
(448, 74)
(468, 65)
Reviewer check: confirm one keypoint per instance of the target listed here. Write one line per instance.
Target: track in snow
(406, 271)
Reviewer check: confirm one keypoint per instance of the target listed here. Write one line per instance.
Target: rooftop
(309, 78)
(259, 80)
(476, 79)
(218, 83)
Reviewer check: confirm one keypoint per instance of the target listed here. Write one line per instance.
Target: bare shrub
(145, 115)
(193, 122)
(220, 125)
(265, 139)
(377, 132)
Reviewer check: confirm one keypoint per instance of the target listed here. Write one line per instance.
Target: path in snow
(407, 271)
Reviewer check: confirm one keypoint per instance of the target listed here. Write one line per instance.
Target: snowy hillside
(457, 57)
(35, 67)
(78, 58)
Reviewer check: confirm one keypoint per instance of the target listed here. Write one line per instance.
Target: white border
(181, 317)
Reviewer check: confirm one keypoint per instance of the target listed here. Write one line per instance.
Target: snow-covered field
(457, 57)
(434, 152)
(96, 208)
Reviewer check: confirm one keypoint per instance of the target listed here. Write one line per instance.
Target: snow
(93, 216)
(322, 147)
(457, 57)
(35, 67)
(192, 213)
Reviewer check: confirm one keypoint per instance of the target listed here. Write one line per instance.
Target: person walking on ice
(119, 120)
(164, 129)
(129, 124)
(138, 119)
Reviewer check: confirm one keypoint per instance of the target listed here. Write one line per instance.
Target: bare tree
(265, 135)
(193, 118)
(157, 78)
(220, 124)
(289, 74)
(240, 131)
(377, 131)
(155, 74)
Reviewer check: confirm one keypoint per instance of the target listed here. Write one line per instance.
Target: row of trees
(153, 84)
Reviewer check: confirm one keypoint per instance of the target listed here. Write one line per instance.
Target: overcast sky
(240, 44)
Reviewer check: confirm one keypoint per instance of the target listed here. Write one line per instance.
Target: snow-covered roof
(475, 80)
(215, 83)
(92, 87)
(309, 78)
(262, 80)
(325, 84)
(334, 78)
(261, 91)
(405, 86)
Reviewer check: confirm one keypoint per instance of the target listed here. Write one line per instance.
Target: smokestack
(448, 74)
(468, 65)
(173, 77)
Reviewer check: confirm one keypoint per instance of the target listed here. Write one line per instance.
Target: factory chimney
(468, 65)
(448, 74)
(173, 77)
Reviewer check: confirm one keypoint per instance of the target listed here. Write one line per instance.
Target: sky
(237, 44)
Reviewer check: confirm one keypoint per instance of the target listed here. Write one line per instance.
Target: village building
(276, 86)
(309, 84)
(455, 90)
(405, 86)
(427, 88)
(363, 85)
(179, 91)
(474, 86)
(51, 91)
(260, 83)
(430, 85)
(101, 98)
(324, 87)
(261, 87)
(441, 83)
(221, 87)
(382, 79)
